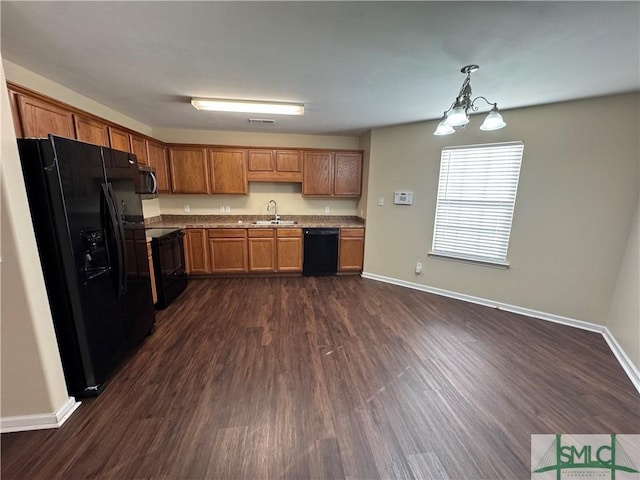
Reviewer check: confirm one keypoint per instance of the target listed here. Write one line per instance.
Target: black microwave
(146, 182)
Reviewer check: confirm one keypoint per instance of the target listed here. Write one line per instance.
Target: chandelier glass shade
(458, 113)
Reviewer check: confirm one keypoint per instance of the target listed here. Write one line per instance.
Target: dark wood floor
(336, 377)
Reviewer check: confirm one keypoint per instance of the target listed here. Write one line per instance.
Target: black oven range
(167, 251)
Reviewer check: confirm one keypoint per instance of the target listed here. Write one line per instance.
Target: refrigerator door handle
(113, 218)
(121, 232)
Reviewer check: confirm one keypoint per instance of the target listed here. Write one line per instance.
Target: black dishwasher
(320, 251)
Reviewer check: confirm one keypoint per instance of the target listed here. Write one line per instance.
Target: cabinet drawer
(260, 232)
(352, 232)
(289, 232)
(227, 233)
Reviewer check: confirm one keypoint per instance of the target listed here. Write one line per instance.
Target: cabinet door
(228, 250)
(261, 161)
(13, 99)
(119, 139)
(289, 250)
(228, 170)
(91, 131)
(347, 177)
(262, 252)
(139, 148)
(317, 173)
(188, 170)
(351, 256)
(195, 249)
(40, 118)
(288, 161)
(157, 155)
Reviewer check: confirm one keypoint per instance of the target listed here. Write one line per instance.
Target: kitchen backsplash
(287, 195)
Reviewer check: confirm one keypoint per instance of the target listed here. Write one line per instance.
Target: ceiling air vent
(263, 121)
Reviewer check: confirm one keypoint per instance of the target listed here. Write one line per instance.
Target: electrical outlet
(381, 201)
(187, 208)
(418, 267)
(327, 210)
(221, 208)
(227, 209)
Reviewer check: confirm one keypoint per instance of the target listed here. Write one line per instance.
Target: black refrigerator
(89, 228)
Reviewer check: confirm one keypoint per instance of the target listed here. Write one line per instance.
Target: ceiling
(355, 65)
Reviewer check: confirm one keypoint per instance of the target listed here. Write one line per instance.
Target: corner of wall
(623, 320)
(32, 378)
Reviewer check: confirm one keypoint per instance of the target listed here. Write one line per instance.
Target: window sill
(440, 256)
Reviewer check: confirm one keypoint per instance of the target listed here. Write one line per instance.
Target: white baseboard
(624, 360)
(40, 421)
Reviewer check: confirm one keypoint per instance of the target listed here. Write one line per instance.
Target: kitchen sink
(275, 222)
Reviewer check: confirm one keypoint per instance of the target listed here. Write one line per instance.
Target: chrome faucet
(276, 217)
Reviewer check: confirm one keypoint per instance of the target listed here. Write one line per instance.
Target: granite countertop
(246, 221)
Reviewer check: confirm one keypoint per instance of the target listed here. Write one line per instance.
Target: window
(476, 195)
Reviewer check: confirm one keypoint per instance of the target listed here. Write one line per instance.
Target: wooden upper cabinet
(332, 174)
(119, 139)
(266, 165)
(139, 148)
(189, 170)
(228, 171)
(288, 161)
(13, 100)
(261, 161)
(40, 118)
(317, 178)
(347, 174)
(157, 155)
(91, 131)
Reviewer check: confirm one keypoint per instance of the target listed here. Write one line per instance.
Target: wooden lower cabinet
(228, 250)
(289, 249)
(154, 292)
(262, 251)
(351, 250)
(196, 250)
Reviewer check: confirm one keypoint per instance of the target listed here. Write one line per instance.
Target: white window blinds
(476, 196)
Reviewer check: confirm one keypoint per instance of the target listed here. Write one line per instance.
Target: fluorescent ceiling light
(244, 106)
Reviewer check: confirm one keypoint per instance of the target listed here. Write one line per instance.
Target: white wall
(624, 316)
(576, 199)
(32, 380)
(26, 78)
(215, 137)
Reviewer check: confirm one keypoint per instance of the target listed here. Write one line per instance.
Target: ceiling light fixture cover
(247, 106)
(458, 113)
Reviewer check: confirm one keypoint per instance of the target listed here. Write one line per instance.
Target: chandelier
(458, 113)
